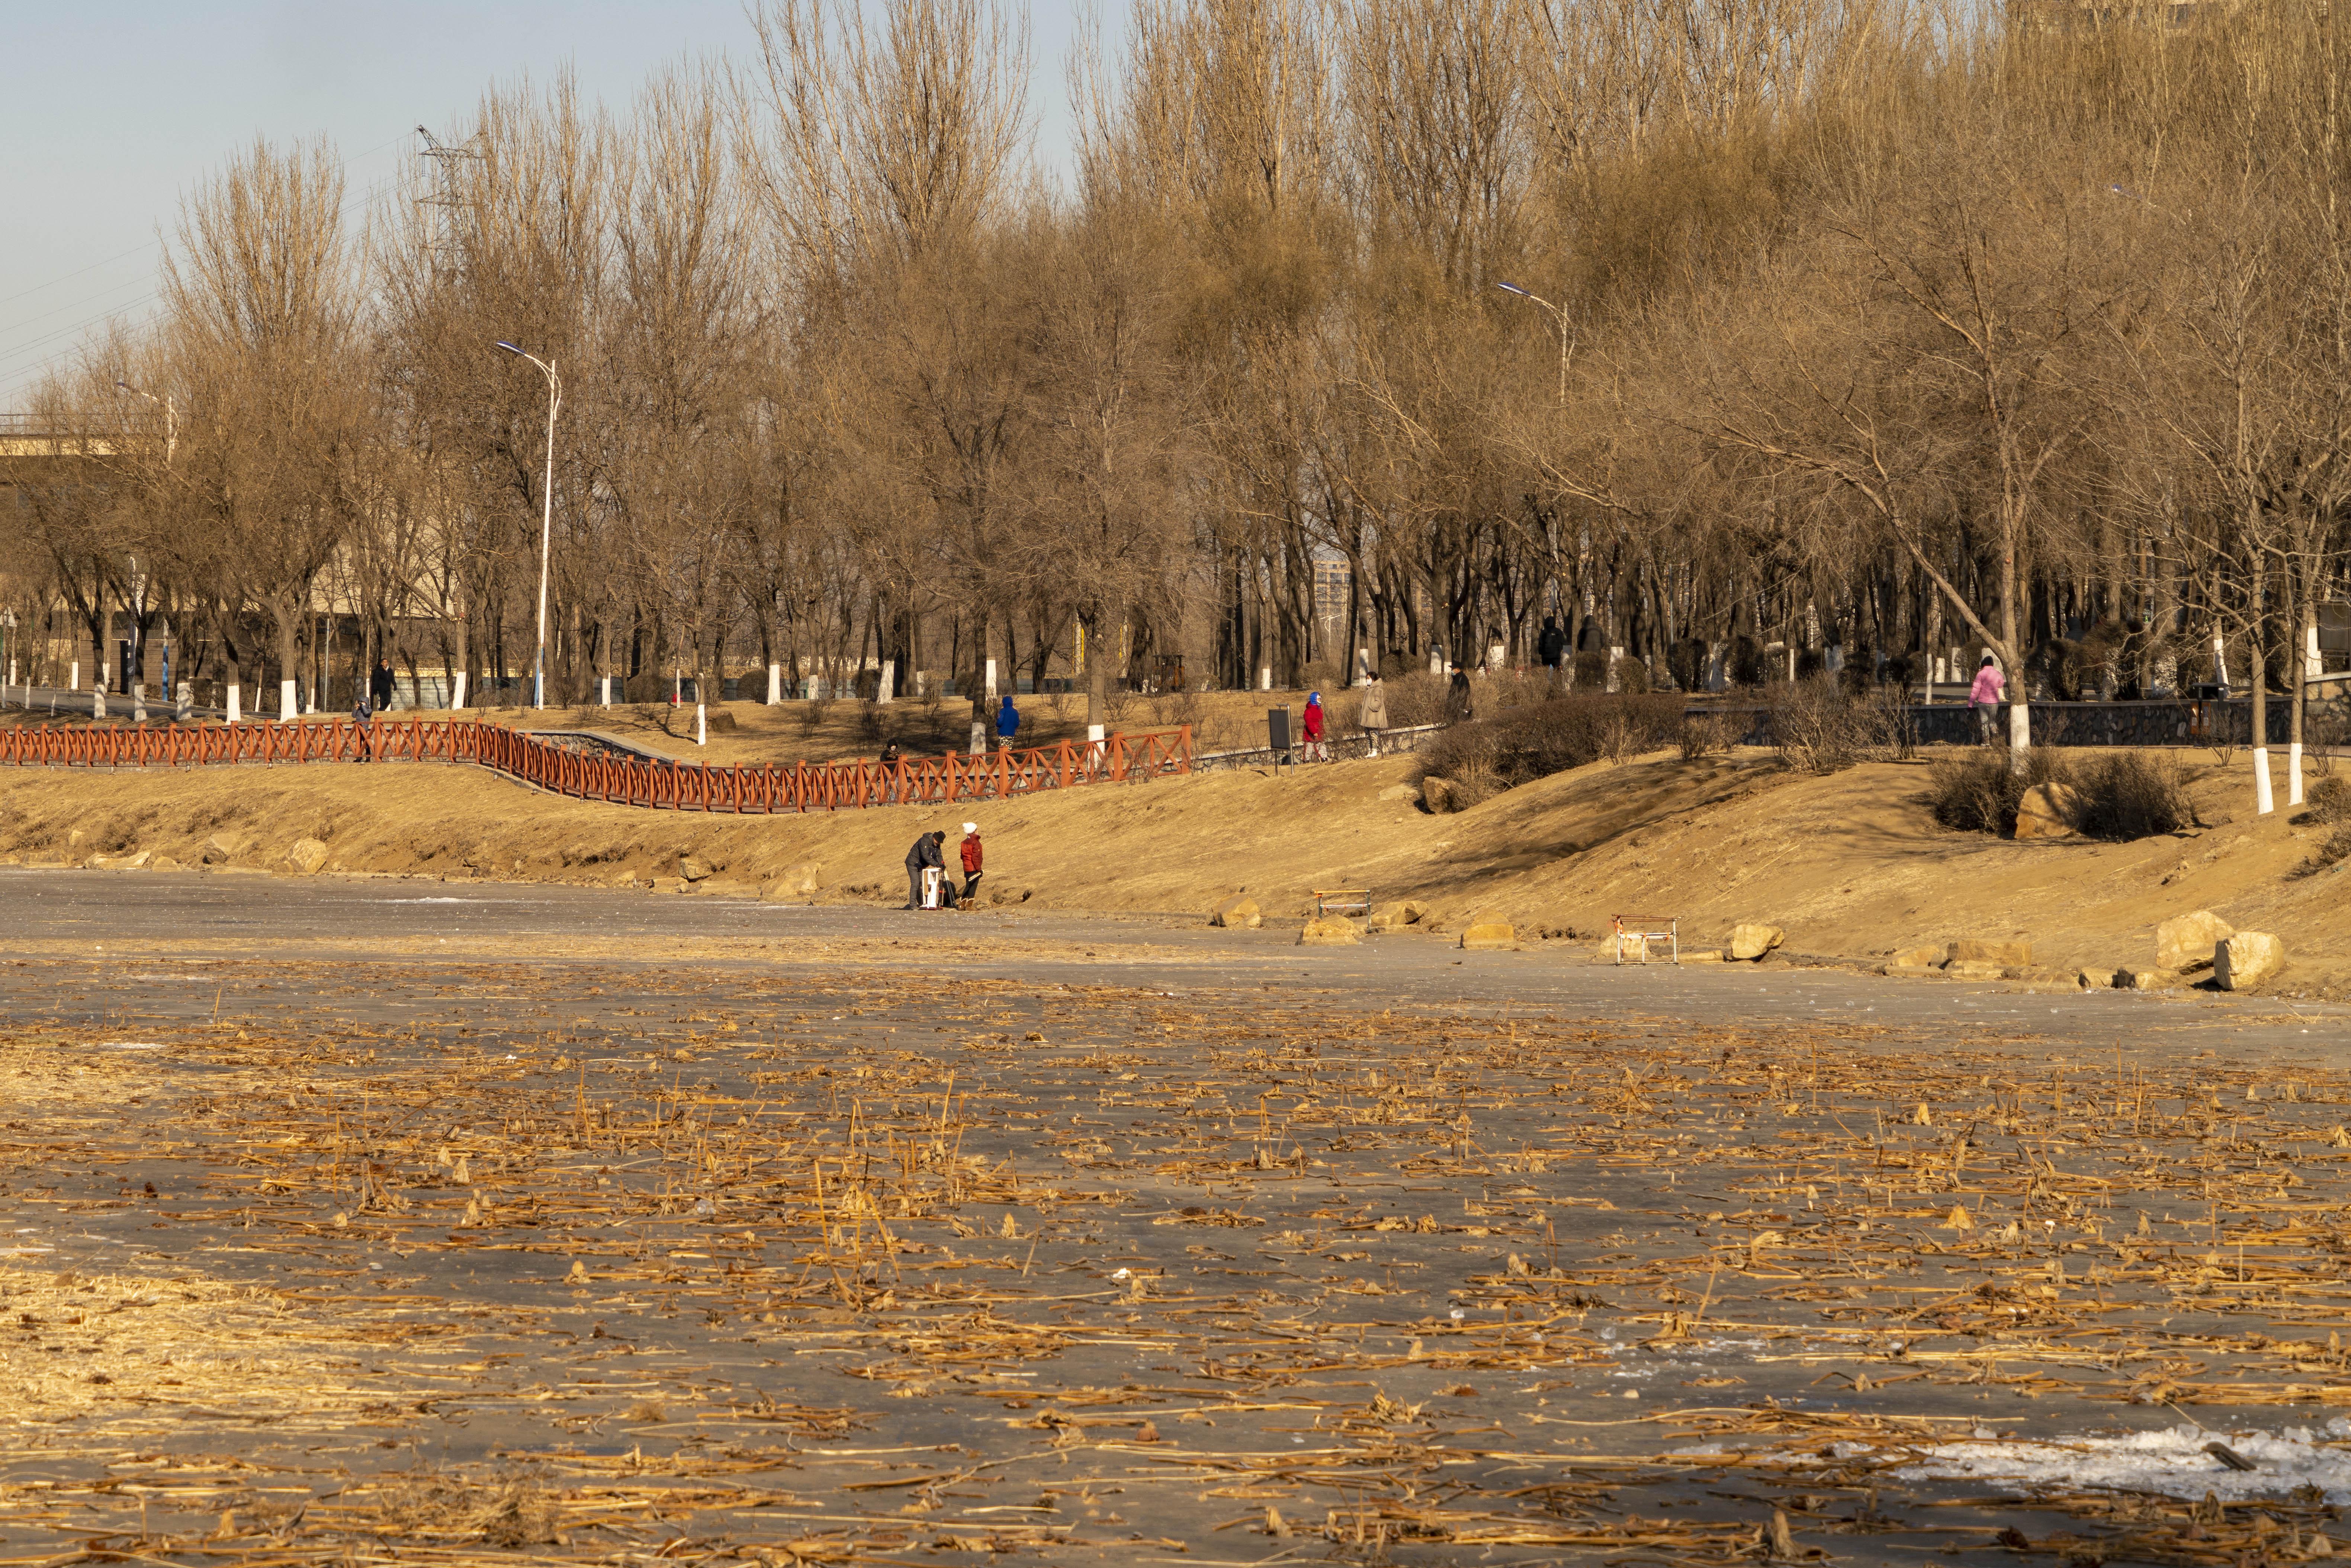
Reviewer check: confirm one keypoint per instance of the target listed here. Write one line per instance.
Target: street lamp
(1559, 319)
(546, 522)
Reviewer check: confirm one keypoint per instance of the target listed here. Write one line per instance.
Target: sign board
(1277, 728)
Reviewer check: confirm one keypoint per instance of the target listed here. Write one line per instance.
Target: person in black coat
(1551, 646)
(924, 855)
(380, 686)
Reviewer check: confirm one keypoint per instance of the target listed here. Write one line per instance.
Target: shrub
(1523, 744)
(2337, 848)
(2123, 794)
(2129, 795)
(2330, 801)
(1819, 729)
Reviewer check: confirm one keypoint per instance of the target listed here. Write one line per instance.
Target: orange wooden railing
(621, 780)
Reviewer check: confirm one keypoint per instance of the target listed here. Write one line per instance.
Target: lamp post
(546, 520)
(1559, 319)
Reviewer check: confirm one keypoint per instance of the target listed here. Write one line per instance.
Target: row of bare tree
(1865, 332)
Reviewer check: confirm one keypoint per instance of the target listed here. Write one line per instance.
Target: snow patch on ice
(2172, 1462)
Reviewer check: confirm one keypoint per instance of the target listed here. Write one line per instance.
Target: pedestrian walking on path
(1313, 726)
(1984, 698)
(1374, 716)
(1007, 724)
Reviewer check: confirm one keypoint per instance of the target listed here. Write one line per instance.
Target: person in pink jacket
(1984, 698)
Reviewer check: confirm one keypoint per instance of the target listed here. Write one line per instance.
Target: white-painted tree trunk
(236, 703)
(2264, 797)
(978, 739)
(2020, 735)
(138, 702)
(457, 696)
(2294, 773)
(288, 703)
(701, 722)
(888, 690)
(775, 685)
(1265, 678)
(73, 682)
(1093, 735)
(97, 702)
(991, 680)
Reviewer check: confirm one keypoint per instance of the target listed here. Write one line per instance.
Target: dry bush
(2330, 803)
(2333, 851)
(1534, 742)
(1708, 734)
(812, 714)
(2124, 795)
(1817, 728)
(1416, 699)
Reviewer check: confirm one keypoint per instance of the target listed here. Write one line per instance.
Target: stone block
(307, 856)
(222, 847)
(2048, 812)
(1918, 958)
(794, 884)
(1438, 796)
(1976, 969)
(1239, 912)
(694, 868)
(2246, 959)
(1396, 916)
(1987, 950)
(2189, 941)
(120, 862)
(1328, 931)
(1753, 941)
(1488, 933)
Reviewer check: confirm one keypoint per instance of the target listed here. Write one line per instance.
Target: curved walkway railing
(620, 781)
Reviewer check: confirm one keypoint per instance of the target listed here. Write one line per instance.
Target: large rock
(1396, 916)
(2247, 958)
(1918, 958)
(222, 847)
(1753, 941)
(795, 883)
(306, 856)
(1977, 969)
(1488, 933)
(1239, 911)
(120, 862)
(1990, 950)
(1328, 931)
(2189, 941)
(1438, 796)
(2048, 812)
(694, 868)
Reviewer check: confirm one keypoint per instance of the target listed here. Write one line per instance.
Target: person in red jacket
(971, 860)
(1311, 726)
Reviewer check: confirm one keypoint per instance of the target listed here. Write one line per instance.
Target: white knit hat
(971, 827)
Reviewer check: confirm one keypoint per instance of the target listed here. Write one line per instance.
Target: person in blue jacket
(1007, 724)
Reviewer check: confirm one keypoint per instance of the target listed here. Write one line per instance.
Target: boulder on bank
(2246, 959)
(2190, 941)
(120, 862)
(1752, 941)
(1990, 950)
(1396, 916)
(1328, 931)
(1239, 912)
(1488, 933)
(694, 868)
(2050, 812)
(222, 847)
(307, 856)
(795, 883)
(1440, 796)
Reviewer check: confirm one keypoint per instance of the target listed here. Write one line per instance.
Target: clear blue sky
(113, 108)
